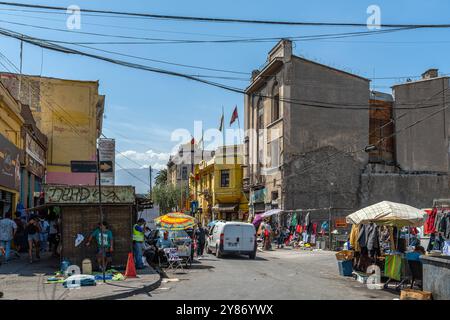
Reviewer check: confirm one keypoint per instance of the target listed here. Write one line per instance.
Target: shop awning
(389, 213)
(226, 207)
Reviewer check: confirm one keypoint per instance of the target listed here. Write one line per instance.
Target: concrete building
(317, 139)
(216, 186)
(292, 124)
(69, 113)
(429, 95)
(32, 173)
(180, 166)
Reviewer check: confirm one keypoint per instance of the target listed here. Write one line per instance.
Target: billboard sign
(9, 164)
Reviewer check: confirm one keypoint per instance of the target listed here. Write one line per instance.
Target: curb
(144, 289)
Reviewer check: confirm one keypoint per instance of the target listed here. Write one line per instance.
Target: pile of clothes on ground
(77, 280)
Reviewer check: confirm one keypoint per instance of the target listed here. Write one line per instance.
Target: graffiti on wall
(88, 194)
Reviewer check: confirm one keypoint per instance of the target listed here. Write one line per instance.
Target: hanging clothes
(429, 223)
(354, 238)
(314, 228)
(393, 267)
(294, 219)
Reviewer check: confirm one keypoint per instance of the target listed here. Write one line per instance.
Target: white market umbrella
(389, 213)
(271, 213)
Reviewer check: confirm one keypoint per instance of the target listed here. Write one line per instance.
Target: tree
(161, 177)
(166, 196)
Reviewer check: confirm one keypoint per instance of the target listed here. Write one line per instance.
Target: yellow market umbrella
(175, 221)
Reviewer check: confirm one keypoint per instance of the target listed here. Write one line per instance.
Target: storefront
(9, 175)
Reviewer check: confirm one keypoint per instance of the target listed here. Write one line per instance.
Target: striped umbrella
(175, 221)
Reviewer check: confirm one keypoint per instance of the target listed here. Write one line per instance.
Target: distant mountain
(139, 178)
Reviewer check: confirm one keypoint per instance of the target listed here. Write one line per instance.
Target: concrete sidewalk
(20, 280)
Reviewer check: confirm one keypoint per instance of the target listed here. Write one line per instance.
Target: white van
(232, 237)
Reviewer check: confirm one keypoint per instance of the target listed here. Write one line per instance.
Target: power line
(193, 41)
(48, 45)
(221, 20)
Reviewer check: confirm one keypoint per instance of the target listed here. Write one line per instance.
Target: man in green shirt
(107, 248)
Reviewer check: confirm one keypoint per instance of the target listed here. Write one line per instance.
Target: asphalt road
(280, 274)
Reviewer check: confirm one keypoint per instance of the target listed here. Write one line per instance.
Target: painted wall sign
(9, 164)
(107, 153)
(88, 194)
(34, 150)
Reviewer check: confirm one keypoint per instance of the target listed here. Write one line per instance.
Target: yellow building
(217, 187)
(11, 123)
(70, 114)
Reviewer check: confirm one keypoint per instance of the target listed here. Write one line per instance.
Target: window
(260, 114)
(274, 195)
(275, 102)
(184, 173)
(224, 178)
(275, 153)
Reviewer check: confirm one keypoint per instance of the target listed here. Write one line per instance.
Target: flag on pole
(221, 123)
(234, 116)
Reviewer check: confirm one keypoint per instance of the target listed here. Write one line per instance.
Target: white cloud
(134, 159)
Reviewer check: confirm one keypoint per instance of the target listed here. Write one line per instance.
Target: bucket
(345, 268)
(64, 265)
(86, 266)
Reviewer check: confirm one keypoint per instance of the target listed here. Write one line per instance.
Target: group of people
(269, 234)
(25, 232)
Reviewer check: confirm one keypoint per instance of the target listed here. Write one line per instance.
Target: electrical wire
(48, 45)
(221, 20)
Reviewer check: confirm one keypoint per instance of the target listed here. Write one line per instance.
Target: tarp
(271, 213)
(389, 213)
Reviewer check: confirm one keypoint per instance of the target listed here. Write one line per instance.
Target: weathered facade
(33, 170)
(69, 113)
(180, 166)
(11, 156)
(285, 102)
(318, 138)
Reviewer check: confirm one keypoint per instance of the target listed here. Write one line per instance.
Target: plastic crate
(345, 268)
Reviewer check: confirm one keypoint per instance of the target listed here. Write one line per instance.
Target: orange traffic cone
(130, 271)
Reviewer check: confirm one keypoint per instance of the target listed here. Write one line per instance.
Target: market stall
(381, 236)
(182, 244)
(80, 216)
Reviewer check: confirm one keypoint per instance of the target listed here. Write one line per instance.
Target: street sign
(83, 166)
(106, 166)
(107, 150)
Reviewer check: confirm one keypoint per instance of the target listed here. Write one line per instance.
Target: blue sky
(142, 108)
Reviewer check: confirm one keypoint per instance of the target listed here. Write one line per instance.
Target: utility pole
(20, 69)
(150, 182)
(101, 214)
(330, 242)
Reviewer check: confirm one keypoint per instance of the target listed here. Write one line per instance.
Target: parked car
(232, 237)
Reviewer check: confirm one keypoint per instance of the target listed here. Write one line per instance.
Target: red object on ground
(130, 271)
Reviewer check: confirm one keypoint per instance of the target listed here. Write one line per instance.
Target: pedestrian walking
(53, 238)
(7, 232)
(138, 242)
(33, 230)
(106, 250)
(43, 235)
(200, 236)
(20, 240)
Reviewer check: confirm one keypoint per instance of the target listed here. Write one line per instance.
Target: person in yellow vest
(138, 242)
